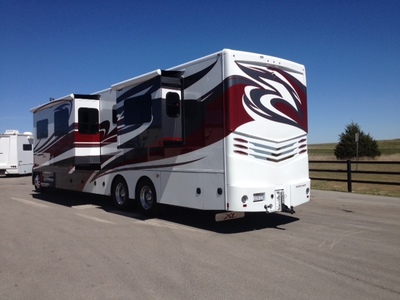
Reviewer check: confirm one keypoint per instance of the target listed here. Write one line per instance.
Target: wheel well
(143, 178)
(117, 177)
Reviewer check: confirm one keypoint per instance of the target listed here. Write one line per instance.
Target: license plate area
(258, 197)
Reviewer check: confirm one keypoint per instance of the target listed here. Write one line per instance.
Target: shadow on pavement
(185, 216)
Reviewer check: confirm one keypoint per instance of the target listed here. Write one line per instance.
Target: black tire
(120, 194)
(146, 197)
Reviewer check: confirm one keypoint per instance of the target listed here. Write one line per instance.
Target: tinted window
(173, 105)
(137, 110)
(42, 129)
(61, 122)
(88, 120)
(27, 147)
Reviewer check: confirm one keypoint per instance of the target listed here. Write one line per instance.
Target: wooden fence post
(349, 188)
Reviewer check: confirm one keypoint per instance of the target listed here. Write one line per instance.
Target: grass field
(390, 150)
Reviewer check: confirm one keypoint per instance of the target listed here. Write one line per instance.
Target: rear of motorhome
(226, 132)
(16, 153)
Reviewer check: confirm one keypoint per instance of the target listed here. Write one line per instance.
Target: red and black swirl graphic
(276, 95)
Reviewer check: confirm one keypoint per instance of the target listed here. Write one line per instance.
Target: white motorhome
(226, 132)
(16, 153)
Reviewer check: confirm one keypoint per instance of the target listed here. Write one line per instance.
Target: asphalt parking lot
(65, 245)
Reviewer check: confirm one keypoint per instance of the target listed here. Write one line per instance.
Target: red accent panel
(240, 140)
(237, 115)
(240, 152)
(87, 138)
(61, 145)
(240, 146)
(172, 140)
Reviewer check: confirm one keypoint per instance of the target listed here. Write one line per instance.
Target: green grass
(387, 148)
(390, 151)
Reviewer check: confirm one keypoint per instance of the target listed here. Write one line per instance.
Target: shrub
(347, 146)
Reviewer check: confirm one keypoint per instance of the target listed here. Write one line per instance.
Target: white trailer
(226, 132)
(16, 153)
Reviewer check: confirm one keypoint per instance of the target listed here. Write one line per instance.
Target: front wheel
(120, 194)
(146, 197)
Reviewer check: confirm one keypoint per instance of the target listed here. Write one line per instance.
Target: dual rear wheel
(145, 195)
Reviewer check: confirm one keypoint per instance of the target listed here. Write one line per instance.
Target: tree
(347, 147)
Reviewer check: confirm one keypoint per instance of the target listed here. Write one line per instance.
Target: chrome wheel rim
(37, 182)
(120, 194)
(146, 197)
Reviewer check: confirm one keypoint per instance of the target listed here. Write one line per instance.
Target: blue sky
(351, 50)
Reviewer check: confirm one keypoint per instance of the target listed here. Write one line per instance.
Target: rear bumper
(268, 199)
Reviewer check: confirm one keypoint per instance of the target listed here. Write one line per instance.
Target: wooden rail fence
(349, 171)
